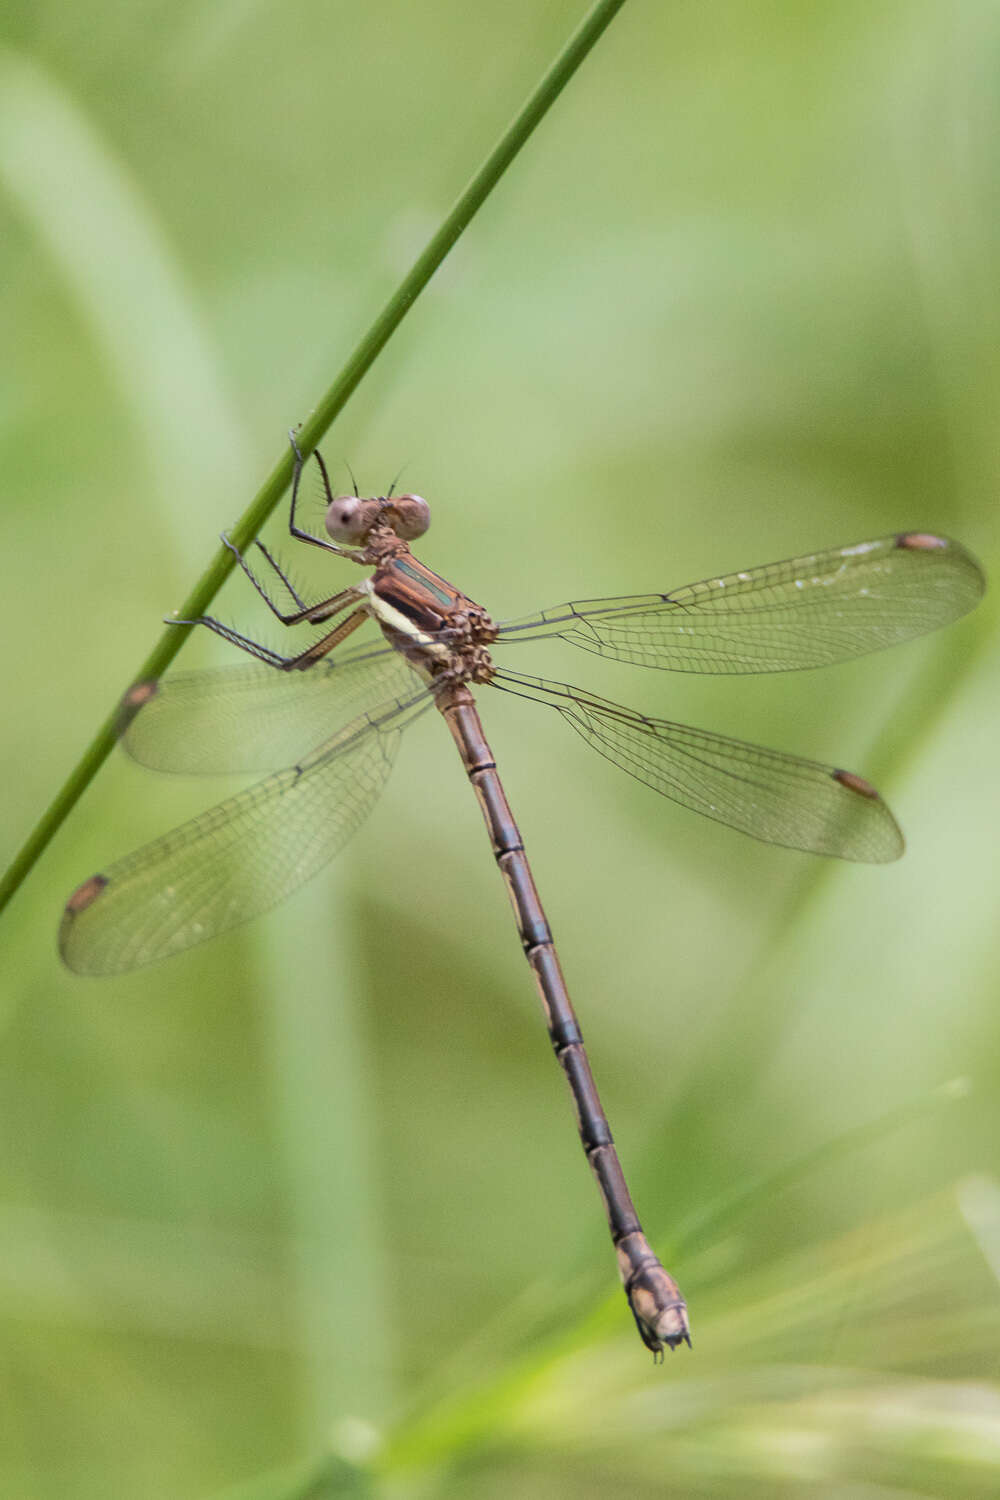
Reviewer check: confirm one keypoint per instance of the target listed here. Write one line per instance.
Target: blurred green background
(303, 1212)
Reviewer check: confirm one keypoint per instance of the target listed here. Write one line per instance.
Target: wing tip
(922, 541)
(887, 851)
(138, 695)
(855, 783)
(930, 542)
(80, 901)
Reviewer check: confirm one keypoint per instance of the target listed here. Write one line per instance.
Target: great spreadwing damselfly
(327, 723)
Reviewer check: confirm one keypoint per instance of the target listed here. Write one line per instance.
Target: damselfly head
(409, 516)
(351, 520)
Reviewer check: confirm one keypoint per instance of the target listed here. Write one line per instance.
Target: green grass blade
(327, 408)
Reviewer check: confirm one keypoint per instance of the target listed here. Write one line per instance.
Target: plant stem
(326, 409)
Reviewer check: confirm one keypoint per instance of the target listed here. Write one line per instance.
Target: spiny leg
(275, 567)
(244, 642)
(295, 528)
(315, 614)
(298, 663)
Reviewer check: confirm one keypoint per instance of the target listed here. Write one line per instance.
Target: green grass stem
(327, 408)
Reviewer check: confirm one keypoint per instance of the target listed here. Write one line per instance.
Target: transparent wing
(806, 612)
(777, 798)
(254, 718)
(239, 858)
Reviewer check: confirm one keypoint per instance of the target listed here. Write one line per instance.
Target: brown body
(241, 857)
(446, 637)
(654, 1297)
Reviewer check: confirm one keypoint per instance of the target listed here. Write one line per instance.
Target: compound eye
(348, 518)
(412, 516)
